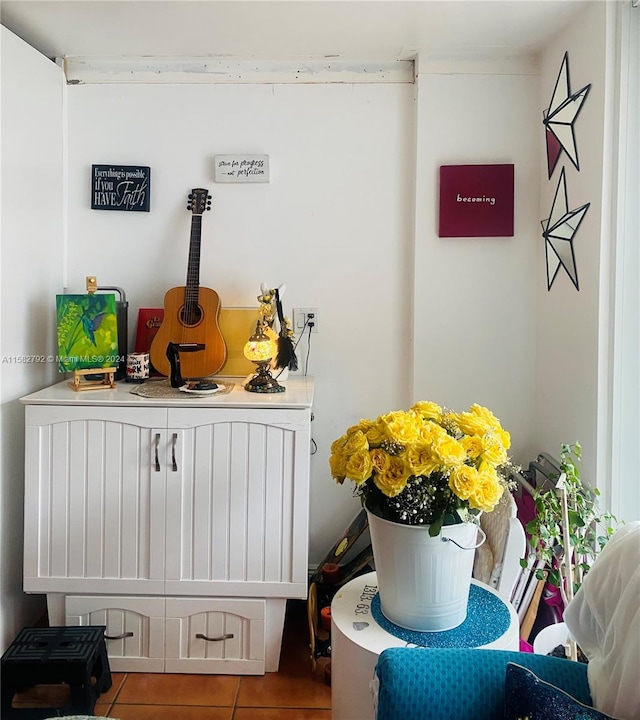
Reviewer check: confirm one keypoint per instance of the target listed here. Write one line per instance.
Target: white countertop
(298, 394)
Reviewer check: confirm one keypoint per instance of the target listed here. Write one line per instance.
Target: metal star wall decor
(558, 231)
(560, 117)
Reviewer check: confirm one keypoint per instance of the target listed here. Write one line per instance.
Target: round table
(359, 633)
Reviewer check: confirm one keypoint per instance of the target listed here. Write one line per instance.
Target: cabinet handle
(174, 440)
(227, 636)
(157, 460)
(118, 637)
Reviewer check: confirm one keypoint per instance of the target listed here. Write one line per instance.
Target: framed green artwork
(87, 331)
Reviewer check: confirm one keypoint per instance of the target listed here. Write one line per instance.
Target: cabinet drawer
(177, 635)
(135, 631)
(214, 635)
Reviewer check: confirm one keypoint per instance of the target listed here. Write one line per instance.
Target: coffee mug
(137, 367)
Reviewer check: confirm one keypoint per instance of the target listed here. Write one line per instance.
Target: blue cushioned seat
(462, 684)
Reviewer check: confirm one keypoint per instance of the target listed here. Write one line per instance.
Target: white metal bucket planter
(423, 581)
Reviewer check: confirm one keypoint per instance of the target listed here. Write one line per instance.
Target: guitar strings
(191, 289)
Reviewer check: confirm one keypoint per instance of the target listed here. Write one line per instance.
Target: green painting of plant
(87, 331)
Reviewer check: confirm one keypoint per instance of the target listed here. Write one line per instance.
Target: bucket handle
(462, 547)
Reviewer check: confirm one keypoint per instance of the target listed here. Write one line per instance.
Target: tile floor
(295, 692)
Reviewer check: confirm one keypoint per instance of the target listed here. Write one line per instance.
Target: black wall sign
(120, 187)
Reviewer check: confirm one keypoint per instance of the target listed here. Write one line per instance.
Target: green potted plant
(569, 529)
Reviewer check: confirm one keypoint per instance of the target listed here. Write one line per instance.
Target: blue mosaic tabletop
(487, 619)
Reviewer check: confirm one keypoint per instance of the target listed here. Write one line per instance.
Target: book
(149, 320)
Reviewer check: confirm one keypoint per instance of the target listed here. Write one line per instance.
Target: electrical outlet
(302, 318)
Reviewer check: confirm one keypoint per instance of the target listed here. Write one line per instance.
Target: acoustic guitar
(191, 312)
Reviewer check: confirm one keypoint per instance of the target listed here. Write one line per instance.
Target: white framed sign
(241, 168)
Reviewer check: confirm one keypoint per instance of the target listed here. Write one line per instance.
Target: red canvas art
(476, 201)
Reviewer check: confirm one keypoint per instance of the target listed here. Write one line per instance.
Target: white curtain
(625, 440)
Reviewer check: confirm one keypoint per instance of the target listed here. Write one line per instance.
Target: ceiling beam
(82, 70)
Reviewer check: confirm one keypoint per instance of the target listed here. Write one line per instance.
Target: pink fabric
(526, 508)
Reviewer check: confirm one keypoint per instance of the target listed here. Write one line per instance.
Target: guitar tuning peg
(189, 206)
(190, 196)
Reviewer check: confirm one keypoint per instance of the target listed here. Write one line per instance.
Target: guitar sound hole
(190, 315)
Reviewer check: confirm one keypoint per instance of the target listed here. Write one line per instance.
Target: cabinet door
(215, 636)
(237, 508)
(94, 499)
(134, 629)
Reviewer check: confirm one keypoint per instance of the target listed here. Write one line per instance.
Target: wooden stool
(50, 655)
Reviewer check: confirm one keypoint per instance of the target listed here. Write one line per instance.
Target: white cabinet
(201, 505)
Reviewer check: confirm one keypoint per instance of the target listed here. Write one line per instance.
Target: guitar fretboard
(193, 266)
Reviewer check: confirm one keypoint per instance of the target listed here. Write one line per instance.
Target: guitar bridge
(188, 347)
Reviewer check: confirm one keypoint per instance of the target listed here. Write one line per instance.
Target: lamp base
(264, 382)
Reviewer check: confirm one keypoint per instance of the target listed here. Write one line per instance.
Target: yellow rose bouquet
(425, 466)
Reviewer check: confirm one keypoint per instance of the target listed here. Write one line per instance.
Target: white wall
(334, 224)
(571, 324)
(474, 297)
(32, 265)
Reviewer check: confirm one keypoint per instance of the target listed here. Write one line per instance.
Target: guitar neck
(193, 266)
